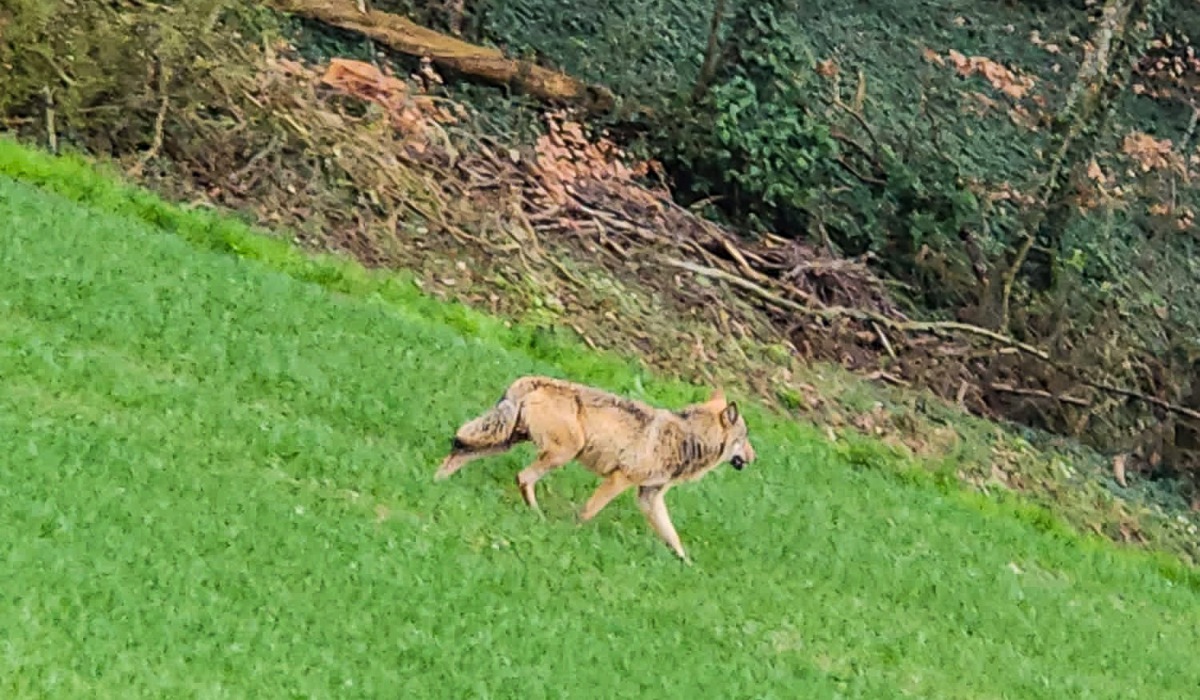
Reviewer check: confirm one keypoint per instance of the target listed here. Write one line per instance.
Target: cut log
(404, 35)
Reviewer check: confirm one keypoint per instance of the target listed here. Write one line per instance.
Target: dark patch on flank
(631, 408)
(689, 455)
(640, 414)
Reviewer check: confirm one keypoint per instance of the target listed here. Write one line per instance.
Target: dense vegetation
(222, 488)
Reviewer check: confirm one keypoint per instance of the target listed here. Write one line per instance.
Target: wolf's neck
(694, 450)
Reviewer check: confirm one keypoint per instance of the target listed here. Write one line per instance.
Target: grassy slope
(218, 483)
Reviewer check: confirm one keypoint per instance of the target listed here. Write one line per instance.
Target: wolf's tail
(500, 425)
(494, 428)
(503, 424)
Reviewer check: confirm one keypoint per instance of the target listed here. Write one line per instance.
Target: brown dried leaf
(932, 57)
(827, 68)
(1150, 153)
(1001, 78)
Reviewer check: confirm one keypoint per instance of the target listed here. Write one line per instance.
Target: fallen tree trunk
(404, 35)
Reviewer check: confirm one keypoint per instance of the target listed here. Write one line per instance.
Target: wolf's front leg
(614, 485)
(651, 501)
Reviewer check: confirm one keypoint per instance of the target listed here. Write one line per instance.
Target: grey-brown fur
(627, 442)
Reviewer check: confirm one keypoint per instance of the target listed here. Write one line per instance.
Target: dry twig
(1040, 394)
(160, 120)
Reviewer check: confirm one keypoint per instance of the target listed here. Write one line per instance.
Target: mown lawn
(216, 481)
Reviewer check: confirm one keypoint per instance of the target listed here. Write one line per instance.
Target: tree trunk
(404, 35)
(1082, 121)
(708, 70)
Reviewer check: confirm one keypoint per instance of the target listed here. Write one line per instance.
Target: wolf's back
(524, 386)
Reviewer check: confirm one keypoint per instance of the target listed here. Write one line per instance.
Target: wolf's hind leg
(553, 425)
(546, 462)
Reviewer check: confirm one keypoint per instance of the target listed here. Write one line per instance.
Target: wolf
(625, 442)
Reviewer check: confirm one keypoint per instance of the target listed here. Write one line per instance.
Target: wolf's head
(735, 436)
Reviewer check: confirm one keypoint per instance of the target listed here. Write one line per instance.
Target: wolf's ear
(717, 398)
(730, 415)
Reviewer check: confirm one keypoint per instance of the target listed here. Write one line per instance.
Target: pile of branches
(578, 192)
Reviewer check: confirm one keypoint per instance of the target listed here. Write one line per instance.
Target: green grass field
(217, 482)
